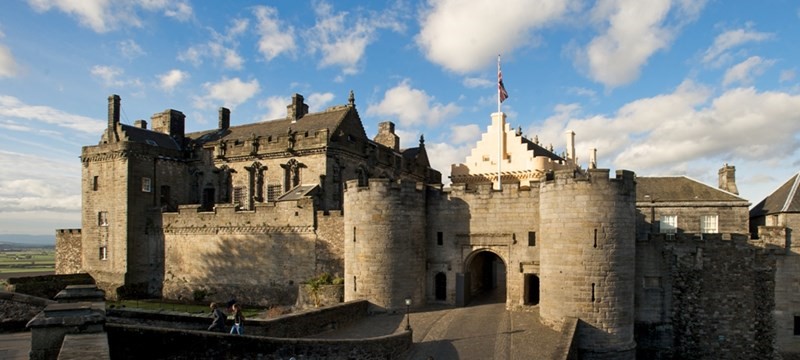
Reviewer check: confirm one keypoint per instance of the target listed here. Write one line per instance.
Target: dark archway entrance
(487, 278)
(531, 289)
(440, 281)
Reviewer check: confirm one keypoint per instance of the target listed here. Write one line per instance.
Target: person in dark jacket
(238, 320)
(218, 322)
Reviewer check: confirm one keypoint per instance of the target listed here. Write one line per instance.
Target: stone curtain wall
(719, 305)
(330, 243)
(258, 257)
(68, 251)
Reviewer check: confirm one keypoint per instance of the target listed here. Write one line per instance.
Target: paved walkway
(484, 330)
(15, 346)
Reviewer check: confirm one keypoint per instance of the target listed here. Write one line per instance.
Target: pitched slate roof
(538, 150)
(784, 199)
(679, 188)
(153, 138)
(328, 119)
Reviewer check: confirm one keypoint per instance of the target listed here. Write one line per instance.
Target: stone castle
(652, 267)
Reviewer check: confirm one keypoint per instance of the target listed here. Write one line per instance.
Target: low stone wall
(17, 309)
(47, 286)
(144, 342)
(288, 326)
(567, 346)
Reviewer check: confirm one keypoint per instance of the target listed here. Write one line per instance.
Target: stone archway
(485, 274)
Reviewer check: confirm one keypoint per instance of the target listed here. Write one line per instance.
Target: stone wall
(713, 298)
(68, 251)
(475, 218)
(779, 241)
(330, 243)
(17, 309)
(258, 257)
(47, 286)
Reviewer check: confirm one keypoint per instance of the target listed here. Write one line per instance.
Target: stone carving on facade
(256, 173)
(225, 183)
(220, 148)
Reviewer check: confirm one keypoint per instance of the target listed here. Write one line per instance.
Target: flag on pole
(501, 89)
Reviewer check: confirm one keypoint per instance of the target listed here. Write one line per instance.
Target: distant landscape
(15, 241)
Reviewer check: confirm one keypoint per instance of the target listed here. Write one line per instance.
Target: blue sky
(661, 87)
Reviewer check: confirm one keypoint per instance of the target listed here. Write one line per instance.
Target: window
(273, 192)
(104, 253)
(709, 224)
(669, 224)
(439, 238)
(796, 325)
(95, 183)
(146, 184)
(102, 218)
(239, 196)
(531, 238)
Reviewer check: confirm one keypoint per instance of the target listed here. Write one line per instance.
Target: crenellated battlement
(288, 214)
(68, 231)
(385, 185)
(624, 178)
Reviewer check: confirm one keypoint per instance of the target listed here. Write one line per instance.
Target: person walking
(238, 320)
(218, 322)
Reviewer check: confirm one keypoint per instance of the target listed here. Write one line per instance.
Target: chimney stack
(113, 118)
(224, 118)
(727, 179)
(141, 124)
(297, 108)
(570, 146)
(387, 137)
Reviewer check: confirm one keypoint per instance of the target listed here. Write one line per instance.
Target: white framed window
(669, 224)
(709, 224)
(104, 253)
(102, 218)
(147, 185)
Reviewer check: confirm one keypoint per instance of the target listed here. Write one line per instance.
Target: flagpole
(500, 132)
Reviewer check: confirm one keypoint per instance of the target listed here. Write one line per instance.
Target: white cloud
(744, 71)
(464, 36)
(130, 49)
(473, 82)
(443, 155)
(221, 47)
(412, 106)
(731, 39)
(275, 36)
(341, 38)
(276, 107)
(318, 101)
(633, 31)
(28, 188)
(465, 134)
(671, 133)
(8, 66)
(104, 15)
(169, 80)
(787, 75)
(14, 108)
(228, 93)
(112, 76)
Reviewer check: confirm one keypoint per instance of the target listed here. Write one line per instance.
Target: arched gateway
(483, 280)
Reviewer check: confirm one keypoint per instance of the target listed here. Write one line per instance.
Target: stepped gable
(331, 119)
(784, 199)
(538, 150)
(149, 137)
(679, 188)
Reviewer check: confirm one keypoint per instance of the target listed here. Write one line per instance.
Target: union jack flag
(501, 89)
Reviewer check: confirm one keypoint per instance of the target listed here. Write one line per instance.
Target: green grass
(21, 261)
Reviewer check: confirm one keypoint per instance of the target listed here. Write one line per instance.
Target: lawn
(23, 261)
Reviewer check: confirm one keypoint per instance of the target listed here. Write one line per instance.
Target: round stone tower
(587, 258)
(384, 243)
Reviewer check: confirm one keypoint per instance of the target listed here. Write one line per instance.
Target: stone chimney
(387, 137)
(113, 118)
(727, 179)
(570, 146)
(170, 122)
(224, 118)
(141, 124)
(593, 159)
(297, 108)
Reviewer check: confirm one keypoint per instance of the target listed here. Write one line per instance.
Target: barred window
(102, 218)
(273, 192)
